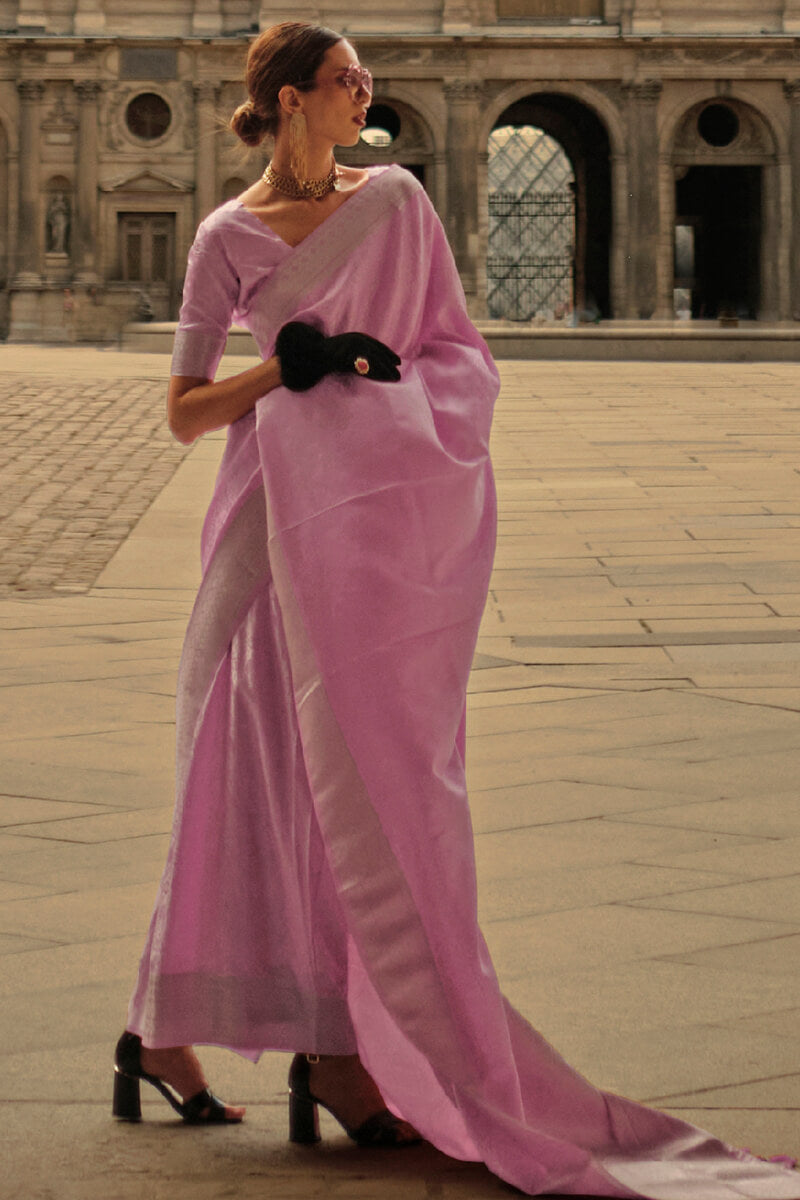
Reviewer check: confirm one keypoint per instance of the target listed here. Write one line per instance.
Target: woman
(319, 894)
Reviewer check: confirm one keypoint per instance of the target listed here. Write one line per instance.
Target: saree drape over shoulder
(319, 893)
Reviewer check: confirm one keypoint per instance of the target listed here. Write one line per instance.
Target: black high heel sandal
(383, 1128)
(203, 1109)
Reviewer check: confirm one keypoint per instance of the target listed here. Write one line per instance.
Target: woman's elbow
(180, 418)
(179, 427)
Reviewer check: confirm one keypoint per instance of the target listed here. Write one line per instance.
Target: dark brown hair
(290, 53)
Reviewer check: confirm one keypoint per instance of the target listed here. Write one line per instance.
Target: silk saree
(320, 893)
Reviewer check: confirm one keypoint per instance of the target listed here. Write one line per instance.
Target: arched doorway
(531, 258)
(549, 210)
(724, 167)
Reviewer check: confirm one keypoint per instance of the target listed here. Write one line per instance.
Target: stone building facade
(681, 123)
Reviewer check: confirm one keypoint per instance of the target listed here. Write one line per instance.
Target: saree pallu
(319, 893)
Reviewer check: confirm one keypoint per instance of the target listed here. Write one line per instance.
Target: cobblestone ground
(80, 462)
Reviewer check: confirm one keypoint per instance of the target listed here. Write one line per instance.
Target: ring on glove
(306, 355)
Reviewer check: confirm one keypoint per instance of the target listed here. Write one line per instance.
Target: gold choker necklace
(309, 189)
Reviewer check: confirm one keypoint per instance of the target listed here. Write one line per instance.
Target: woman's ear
(289, 99)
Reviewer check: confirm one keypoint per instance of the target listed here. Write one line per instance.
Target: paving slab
(634, 732)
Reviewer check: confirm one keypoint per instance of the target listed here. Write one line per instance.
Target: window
(383, 126)
(146, 241)
(718, 125)
(148, 116)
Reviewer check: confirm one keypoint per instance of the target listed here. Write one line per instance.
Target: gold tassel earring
(298, 147)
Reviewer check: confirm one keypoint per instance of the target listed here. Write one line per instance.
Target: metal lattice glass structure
(531, 225)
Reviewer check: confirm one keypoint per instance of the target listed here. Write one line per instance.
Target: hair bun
(248, 125)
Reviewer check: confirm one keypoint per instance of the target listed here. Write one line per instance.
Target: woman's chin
(352, 140)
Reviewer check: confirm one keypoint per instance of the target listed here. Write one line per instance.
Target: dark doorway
(147, 258)
(584, 139)
(723, 207)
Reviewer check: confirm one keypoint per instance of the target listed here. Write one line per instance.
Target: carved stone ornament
(110, 115)
(88, 90)
(463, 91)
(113, 124)
(719, 54)
(415, 56)
(58, 221)
(644, 91)
(792, 90)
(32, 56)
(753, 140)
(30, 90)
(146, 182)
(60, 117)
(204, 93)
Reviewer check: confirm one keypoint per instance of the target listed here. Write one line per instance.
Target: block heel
(383, 1128)
(203, 1109)
(127, 1103)
(303, 1120)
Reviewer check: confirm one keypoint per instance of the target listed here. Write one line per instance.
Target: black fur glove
(307, 355)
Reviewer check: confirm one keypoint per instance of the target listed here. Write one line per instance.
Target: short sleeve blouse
(210, 297)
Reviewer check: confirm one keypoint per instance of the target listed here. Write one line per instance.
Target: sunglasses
(357, 79)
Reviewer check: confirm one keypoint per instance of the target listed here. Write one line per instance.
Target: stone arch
(413, 147)
(396, 90)
(610, 117)
(763, 135)
(577, 127)
(591, 97)
(722, 206)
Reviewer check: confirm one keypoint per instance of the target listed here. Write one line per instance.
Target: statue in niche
(58, 222)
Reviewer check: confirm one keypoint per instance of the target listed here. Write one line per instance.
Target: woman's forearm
(196, 406)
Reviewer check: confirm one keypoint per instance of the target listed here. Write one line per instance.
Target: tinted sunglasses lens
(359, 78)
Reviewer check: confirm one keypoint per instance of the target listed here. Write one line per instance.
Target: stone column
(85, 225)
(793, 96)
(461, 218)
(644, 198)
(205, 196)
(665, 268)
(619, 236)
(29, 226)
(772, 261)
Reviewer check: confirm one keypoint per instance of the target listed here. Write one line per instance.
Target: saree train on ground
(319, 892)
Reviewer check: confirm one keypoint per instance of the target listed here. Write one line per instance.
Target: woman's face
(336, 109)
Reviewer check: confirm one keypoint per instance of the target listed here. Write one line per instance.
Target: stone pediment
(146, 182)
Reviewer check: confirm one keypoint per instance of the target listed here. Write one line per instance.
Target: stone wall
(113, 147)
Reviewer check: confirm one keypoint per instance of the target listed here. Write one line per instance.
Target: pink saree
(319, 893)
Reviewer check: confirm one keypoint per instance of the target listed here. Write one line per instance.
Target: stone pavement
(634, 739)
(81, 460)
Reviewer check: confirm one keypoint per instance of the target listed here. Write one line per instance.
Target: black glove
(306, 355)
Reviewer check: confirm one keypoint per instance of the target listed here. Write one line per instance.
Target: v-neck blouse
(231, 259)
